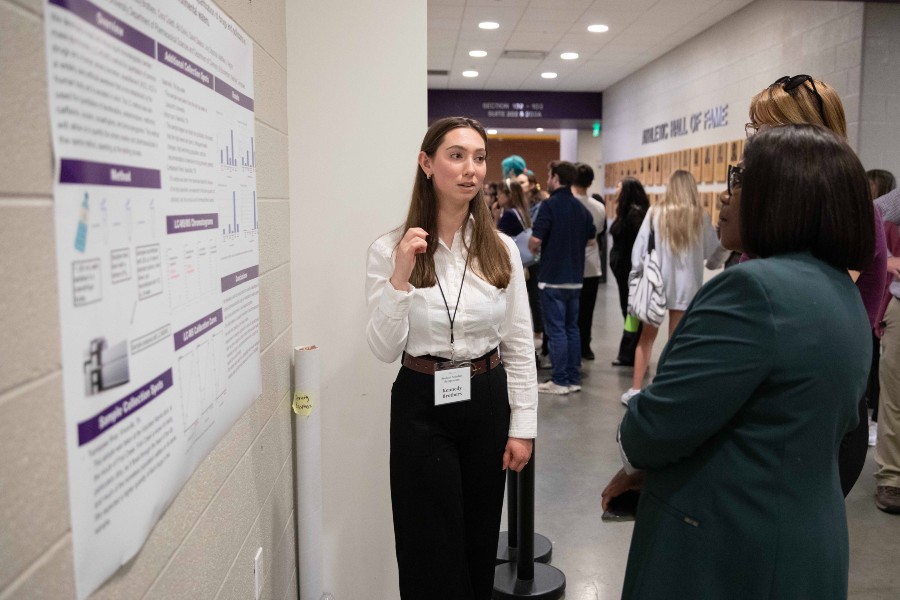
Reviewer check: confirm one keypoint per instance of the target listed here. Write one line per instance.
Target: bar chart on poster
(238, 210)
(156, 218)
(237, 150)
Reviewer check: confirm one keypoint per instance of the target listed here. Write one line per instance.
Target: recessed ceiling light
(549, 75)
(477, 53)
(539, 129)
(470, 73)
(597, 28)
(569, 55)
(492, 132)
(488, 25)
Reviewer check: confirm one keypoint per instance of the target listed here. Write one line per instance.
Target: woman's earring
(428, 176)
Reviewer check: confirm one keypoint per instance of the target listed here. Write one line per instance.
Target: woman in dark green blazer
(734, 445)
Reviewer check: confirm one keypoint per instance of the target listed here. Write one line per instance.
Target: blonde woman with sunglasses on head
(803, 100)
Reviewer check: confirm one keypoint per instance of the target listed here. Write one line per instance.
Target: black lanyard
(447, 306)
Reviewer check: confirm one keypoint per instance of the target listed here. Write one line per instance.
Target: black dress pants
(873, 388)
(447, 486)
(586, 304)
(852, 451)
(534, 298)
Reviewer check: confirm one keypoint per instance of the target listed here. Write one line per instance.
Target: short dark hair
(584, 175)
(564, 170)
(804, 190)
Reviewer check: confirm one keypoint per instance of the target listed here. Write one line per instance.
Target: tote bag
(646, 295)
(521, 240)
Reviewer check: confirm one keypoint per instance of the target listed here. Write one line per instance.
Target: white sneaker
(873, 432)
(575, 388)
(548, 387)
(627, 396)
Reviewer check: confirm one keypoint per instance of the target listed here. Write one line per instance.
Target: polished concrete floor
(577, 454)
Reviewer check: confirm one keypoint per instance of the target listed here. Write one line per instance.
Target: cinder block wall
(879, 127)
(241, 496)
(729, 63)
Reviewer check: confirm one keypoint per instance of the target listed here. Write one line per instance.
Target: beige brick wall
(241, 497)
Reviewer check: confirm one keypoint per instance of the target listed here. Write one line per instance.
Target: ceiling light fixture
(488, 25)
(540, 129)
(598, 28)
(477, 53)
(470, 73)
(549, 75)
(569, 55)
(492, 132)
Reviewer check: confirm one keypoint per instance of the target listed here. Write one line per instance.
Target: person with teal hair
(512, 165)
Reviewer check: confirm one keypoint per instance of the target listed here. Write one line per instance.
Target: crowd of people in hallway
(757, 422)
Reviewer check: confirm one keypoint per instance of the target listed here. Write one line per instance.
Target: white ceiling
(639, 32)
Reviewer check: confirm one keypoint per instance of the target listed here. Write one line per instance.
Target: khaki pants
(887, 450)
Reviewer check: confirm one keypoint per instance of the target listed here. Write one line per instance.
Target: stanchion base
(543, 549)
(549, 583)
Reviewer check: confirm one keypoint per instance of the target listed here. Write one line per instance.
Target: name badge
(452, 382)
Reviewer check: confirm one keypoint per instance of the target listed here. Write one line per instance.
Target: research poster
(157, 251)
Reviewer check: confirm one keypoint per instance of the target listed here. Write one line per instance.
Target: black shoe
(622, 363)
(587, 354)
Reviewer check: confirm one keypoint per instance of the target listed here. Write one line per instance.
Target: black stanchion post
(525, 559)
(512, 507)
(508, 543)
(525, 578)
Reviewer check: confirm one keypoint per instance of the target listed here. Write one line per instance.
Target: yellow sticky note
(303, 404)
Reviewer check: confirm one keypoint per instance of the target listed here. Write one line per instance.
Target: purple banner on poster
(518, 109)
(185, 66)
(242, 276)
(124, 408)
(234, 95)
(85, 171)
(109, 25)
(186, 223)
(185, 336)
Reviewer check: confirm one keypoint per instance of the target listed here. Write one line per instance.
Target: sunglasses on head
(789, 84)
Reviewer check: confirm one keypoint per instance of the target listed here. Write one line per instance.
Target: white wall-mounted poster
(158, 257)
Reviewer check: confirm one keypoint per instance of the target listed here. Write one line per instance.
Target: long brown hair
(489, 256)
(513, 190)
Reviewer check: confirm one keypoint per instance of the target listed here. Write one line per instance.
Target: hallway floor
(577, 454)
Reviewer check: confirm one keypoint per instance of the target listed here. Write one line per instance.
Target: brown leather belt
(422, 364)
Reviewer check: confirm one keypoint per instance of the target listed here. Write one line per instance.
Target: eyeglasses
(789, 84)
(735, 177)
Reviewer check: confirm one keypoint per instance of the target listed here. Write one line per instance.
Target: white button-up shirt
(488, 317)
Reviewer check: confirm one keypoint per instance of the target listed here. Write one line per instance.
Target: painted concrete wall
(730, 62)
(879, 128)
(357, 109)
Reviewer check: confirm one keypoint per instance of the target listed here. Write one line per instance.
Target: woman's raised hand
(415, 241)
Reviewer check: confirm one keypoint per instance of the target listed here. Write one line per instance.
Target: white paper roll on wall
(308, 478)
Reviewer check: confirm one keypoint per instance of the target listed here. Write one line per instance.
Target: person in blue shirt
(561, 230)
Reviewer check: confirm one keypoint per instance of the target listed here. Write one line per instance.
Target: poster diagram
(152, 119)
